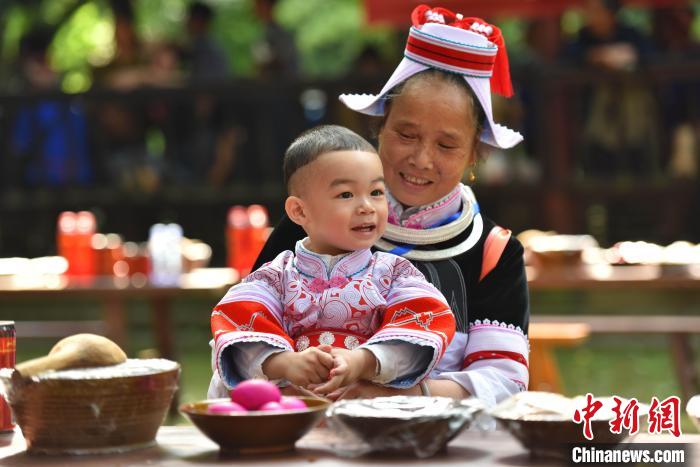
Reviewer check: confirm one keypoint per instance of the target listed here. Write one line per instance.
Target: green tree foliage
(329, 33)
(237, 28)
(82, 42)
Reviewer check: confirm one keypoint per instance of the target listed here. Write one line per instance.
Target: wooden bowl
(543, 423)
(553, 438)
(255, 432)
(92, 410)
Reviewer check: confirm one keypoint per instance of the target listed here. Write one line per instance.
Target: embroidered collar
(312, 265)
(422, 217)
(470, 216)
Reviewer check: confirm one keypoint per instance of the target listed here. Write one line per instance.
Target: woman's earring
(472, 175)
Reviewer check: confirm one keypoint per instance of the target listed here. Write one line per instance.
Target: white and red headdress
(447, 41)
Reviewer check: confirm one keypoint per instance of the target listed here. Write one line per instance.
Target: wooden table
(606, 277)
(113, 293)
(185, 446)
(637, 279)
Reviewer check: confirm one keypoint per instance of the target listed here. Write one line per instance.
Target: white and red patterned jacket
(366, 298)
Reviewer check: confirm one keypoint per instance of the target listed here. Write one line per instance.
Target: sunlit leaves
(329, 33)
(85, 40)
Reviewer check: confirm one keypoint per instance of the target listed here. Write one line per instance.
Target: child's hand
(311, 366)
(349, 366)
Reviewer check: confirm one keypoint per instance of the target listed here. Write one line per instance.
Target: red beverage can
(7, 360)
(66, 234)
(258, 232)
(237, 227)
(84, 259)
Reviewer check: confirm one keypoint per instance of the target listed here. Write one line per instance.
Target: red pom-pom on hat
(500, 78)
(424, 14)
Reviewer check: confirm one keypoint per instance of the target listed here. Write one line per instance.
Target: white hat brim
(493, 133)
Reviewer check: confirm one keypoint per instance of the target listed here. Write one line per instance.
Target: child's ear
(296, 210)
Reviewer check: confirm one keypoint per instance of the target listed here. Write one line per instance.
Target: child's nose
(365, 206)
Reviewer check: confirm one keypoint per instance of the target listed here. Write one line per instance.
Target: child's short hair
(317, 141)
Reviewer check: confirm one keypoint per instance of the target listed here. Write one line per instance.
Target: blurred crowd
(634, 112)
(144, 139)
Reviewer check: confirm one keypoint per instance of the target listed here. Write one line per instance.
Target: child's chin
(353, 244)
(358, 246)
(367, 244)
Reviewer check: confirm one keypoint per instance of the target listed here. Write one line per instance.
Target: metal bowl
(417, 425)
(92, 410)
(255, 432)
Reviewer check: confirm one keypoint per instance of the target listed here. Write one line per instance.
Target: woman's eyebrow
(405, 122)
(449, 134)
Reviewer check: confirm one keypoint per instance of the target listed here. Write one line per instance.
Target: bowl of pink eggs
(256, 418)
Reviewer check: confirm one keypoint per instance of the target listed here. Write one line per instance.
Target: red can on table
(7, 360)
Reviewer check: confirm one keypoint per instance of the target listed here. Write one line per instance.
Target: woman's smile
(413, 180)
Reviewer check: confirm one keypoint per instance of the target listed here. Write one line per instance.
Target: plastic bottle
(165, 247)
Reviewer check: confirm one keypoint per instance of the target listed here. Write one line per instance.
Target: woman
(436, 107)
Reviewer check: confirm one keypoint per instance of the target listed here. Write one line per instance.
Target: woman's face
(427, 140)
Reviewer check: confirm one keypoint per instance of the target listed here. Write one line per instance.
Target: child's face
(342, 196)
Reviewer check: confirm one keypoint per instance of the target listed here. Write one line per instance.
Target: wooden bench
(677, 328)
(544, 338)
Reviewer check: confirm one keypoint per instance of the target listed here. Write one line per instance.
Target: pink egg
(253, 393)
(292, 403)
(271, 406)
(227, 407)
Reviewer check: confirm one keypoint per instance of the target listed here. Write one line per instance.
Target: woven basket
(96, 410)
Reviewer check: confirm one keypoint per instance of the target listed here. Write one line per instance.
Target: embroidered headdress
(447, 41)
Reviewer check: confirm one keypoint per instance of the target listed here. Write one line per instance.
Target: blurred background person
(275, 53)
(620, 135)
(203, 138)
(203, 56)
(680, 98)
(49, 139)
(123, 122)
